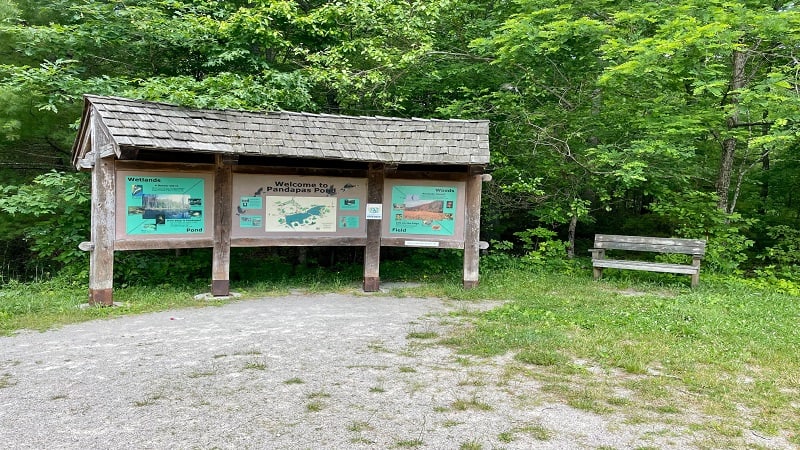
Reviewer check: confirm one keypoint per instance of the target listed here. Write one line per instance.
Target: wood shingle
(158, 126)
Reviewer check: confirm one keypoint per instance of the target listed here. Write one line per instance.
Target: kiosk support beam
(372, 251)
(223, 191)
(472, 230)
(101, 255)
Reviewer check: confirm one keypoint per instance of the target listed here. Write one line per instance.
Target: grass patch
(407, 369)
(540, 357)
(668, 345)
(409, 443)
(52, 303)
(294, 380)
(43, 305)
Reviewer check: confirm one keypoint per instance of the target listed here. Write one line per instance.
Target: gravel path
(321, 372)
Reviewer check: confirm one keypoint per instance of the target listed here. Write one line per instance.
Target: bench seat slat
(646, 266)
(659, 248)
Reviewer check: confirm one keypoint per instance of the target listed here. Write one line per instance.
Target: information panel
(155, 203)
(281, 205)
(421, 208)
(426, 210)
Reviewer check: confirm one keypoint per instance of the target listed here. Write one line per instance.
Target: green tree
(615, 106)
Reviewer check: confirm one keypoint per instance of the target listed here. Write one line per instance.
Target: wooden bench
(603, 242)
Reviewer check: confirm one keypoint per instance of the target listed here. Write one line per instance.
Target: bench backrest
(650, 244)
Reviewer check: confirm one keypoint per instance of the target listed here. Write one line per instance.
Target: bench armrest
(598, 253)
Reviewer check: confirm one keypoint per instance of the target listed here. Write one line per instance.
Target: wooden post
(372, 251)
(223, 192)
(472, 230)
(696, 276)
(103, 223)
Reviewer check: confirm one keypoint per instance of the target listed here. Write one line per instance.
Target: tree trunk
(738, 81)
(725, 172)
(765, 163)
(573, 224)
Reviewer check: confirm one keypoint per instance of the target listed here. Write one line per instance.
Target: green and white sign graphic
(164, 205)
(426, 210)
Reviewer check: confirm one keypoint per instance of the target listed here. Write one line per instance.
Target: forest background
(675, 118)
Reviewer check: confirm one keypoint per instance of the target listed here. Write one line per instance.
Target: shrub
(695, 215)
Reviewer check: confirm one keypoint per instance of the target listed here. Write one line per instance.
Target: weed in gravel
(315, 406)
(377, 389)
(412, 387)
(466, 362)
(451, 423)
(422, 335)
(294, 380)
(247, 352)
(378, 347)
(535, 431)
(6, 380)
(506, 437)
(318, 394)
(409, 443)
(471, 445)
(357, 426)
(407, 369)
(472, 404)
(202, 373)
(59, 397)
(256, 365)
(538, 432)
(150, 400)
(473, 379)
(218, 356)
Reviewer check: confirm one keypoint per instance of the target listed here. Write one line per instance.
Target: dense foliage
(649, 118)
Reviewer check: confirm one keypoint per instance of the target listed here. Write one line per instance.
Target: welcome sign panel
(154, 204)
(280, 205)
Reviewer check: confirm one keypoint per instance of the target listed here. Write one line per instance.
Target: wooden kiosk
(167, 177)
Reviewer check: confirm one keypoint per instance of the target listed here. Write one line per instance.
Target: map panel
(300, 214)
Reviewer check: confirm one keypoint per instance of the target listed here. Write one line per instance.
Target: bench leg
(598, 272)
(695, 279)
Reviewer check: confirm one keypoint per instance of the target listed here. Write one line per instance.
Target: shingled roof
(134, 124)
